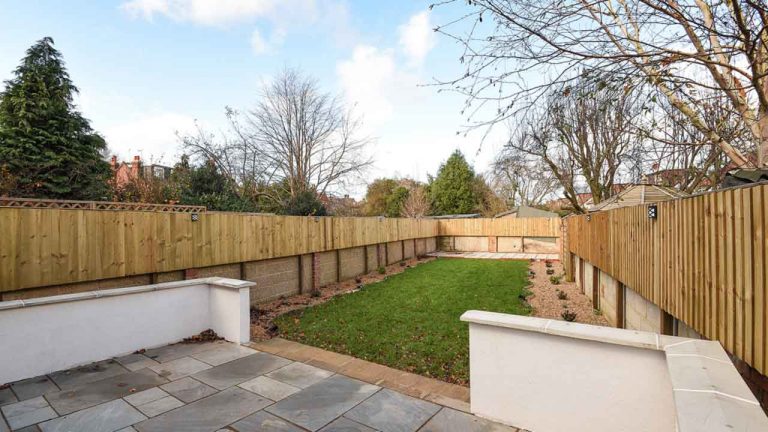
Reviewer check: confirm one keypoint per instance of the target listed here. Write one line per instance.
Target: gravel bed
(544, 296)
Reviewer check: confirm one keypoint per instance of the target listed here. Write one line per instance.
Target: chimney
(135, 165)
(113, 162)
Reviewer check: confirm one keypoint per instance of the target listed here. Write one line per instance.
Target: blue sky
(147, 68)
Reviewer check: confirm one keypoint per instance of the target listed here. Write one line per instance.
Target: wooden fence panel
(42, 247)
(702, 260)
(506, 227)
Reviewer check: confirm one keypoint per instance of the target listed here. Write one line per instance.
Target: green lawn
(410, 321)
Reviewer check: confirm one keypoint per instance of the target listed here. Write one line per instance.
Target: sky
(149, 68)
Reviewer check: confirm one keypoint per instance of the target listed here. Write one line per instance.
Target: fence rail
(703, 260)
(97, 205)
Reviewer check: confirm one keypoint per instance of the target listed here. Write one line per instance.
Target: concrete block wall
(589, 273)
(394, 252)
(509, 244)
(409, 249)
(274, 277)
(431, 243)
(352, 262)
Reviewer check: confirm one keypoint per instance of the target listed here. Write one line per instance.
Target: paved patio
(496, 255)
(220, 386)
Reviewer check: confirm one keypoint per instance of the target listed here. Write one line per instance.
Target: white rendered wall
(53, 333)
(550, 383)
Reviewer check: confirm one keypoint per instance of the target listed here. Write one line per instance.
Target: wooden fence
(502, 227)
(703, 260)
(43, 247)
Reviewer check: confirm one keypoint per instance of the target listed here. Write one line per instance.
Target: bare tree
(514, 51)
(296, 139)
(417, 204)
(520, 179)
(584, 134)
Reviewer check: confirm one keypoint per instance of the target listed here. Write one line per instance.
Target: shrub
(555, 280)
(382, 270)
(568, 315)
(562, 295)
(550, 271)
(598, 312)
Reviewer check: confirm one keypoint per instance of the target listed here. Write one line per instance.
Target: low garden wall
(551, 376)
(47, 334)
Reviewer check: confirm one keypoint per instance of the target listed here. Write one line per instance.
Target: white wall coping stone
(709, 393)
(87, 295)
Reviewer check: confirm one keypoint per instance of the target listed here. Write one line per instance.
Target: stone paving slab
(209, 414)
(188, 389)
(27, 412)
(389, 411)
(32, 387)
(157, 407)
(93, 372)
(107, 417)
(7, 397)
(134, 362)
(449, 420)
(319, 404)
(179, 368)
(241, 370)
(88, 395)
(179, 350)
(264, 422)
(223, 354)
(146, 396)
(269, 388)
(299, 375)
(342, 424)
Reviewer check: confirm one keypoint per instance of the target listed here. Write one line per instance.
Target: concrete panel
(231, 271)
(421, 247)
(608, 298)
(683, 330)
(373, 262)
(531, 245)
(409, 249)
(431, 243)
(274, 278)
(169, 276)
(588, 284)
(306, 273)
(79, 287)
(352, 262)
(327, 267)
(394, 252)
(446, 244)
(641, 314)
(510, 244)
(471, 244)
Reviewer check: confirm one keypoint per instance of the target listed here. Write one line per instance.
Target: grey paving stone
(264, 422)
(27, 412)
(188, 389)
(3, 425)
(32, 428)
(240, 370)
(223, 354)
(33, 387)
(299, 374)
(93, 372)
(179, 368)
(134, 362)
(7, 397)
(88, 395)
(450, 420)
(157, 407)
(342, 424)
(319, 404)
(107, 417)
(146, 396)
(209, 414)
(269, 388)
(179, 350)
(128, 429)
(390, 411)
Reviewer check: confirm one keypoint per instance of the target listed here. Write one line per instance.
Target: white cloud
(417, 37)
(203, 12)
(258, 44)
(367, 79)
(153, 136)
